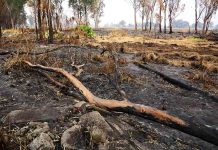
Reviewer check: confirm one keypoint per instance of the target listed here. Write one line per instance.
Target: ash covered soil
(33, 110)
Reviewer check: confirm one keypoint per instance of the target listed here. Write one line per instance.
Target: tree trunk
(204, 27)
(39, 20)
(170, 22)
(35, 20)
(160, 20)
(57, 22)
(135, 15)
(86, 16)
(196, 16)
(165, 18)
(150, 22)
(0, 30)
(50, 37)
(143, 22)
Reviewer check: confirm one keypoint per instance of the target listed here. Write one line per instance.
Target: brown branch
(206, 133)
(62, 86)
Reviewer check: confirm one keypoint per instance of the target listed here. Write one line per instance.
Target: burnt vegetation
(67, 84)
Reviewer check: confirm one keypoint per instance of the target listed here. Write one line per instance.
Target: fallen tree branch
(121, 92)
(62, 86)
(205, 133)
(178, 83)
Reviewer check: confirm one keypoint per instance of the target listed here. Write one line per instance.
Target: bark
(196, 16)
(165, 18)
(204, 27)
(35, 21)
(170, 22)
(160, 20)
(39, 20)
(206, 133)
(50, 38)
(143, 22)
(135, 15)
(0, 30)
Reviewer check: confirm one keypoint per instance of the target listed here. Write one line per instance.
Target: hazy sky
(117, 10)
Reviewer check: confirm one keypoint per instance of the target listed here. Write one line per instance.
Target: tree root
(205, 133)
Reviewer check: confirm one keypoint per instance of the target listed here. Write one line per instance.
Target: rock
(73, 138)
(80, 104)
(98, 135)
(28, 115)
(95, 119)
(42, 142)
(38, 129)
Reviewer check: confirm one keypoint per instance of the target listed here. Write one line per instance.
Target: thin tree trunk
(143, 22)
(165, 18)
(39, 20)
(170, 22)
(135, 15)
(50, 38)
(160, 20)
(204, 27)
(0, 30)
(150, 22)
(35, 20)
(196, 16)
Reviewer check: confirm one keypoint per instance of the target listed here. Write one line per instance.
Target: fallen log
(178, 83)
(203, 132)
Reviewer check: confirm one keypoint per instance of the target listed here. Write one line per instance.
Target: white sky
(117, 10)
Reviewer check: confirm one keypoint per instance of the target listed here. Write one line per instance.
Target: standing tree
(165, 15)
(152, 6)
(199, 8)
(39, 10)
(50, 26)
(81, 9)
(161, 7)
(2, 8)
(174, 10)
(97, 11)
(58, 10)
(145, 12)
(135, 4)
(211, 7)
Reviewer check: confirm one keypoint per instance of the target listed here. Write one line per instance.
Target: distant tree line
(163, 10)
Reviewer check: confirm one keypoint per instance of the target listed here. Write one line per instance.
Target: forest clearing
(107, 88)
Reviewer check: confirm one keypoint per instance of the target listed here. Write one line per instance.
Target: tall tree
(97, 11)
(161, 7)
(135, 4)
(50, 26)
(165, 15)
(211, 7)
(199, 8)
(15, 13)
(58, 10)
(39, 9)
(2, 8)
(81, 9)
(174, 9)
(145, 12)
(152, 6)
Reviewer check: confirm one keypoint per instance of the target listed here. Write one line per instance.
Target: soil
(22, 88)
